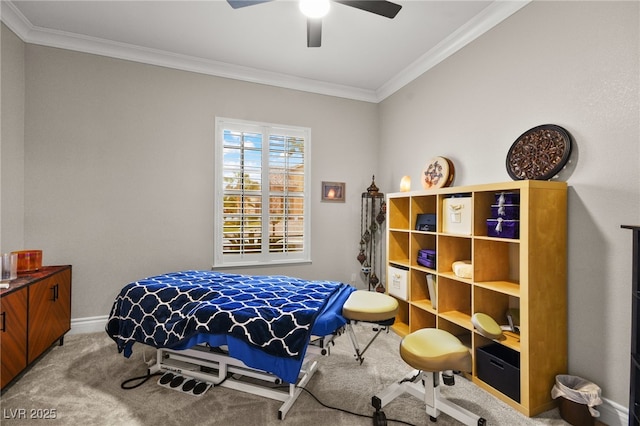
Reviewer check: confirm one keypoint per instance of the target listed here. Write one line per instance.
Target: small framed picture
(333, 191)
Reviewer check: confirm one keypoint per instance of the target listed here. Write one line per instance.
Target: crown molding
(490, 17)
(29, 33)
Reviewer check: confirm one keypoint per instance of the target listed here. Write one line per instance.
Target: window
(262, 203)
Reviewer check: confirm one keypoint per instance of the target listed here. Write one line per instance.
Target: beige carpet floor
(80, 382)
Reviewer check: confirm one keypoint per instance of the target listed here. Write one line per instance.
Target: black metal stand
(634, 387)
(372, 216)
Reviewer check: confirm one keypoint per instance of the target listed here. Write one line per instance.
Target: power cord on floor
(143, 379)
(351, 412)
(146, 377)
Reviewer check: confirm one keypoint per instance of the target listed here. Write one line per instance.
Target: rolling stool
(372, 307)
(432, 351)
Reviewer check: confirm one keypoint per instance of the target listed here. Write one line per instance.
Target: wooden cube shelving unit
(527, 273)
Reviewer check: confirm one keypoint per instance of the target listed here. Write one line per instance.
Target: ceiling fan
(314, 22)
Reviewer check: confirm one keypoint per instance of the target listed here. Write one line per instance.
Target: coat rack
(373, 210)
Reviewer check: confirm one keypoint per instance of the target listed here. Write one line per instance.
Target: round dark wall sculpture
(539, 153)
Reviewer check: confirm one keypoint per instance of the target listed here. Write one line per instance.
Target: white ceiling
(363, 56)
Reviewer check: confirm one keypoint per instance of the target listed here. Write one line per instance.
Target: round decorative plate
(539, 153)
(438, 173)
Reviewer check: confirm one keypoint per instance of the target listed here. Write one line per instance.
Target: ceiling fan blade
(379, 7)
(236, 4)
(314, 32)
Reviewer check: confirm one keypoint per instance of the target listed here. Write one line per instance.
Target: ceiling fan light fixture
(314, 8)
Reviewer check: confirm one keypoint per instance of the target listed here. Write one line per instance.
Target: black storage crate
(499, 367)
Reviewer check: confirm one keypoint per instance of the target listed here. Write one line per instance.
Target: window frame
(264, 258)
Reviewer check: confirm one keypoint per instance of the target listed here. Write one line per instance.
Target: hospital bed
(251, 333)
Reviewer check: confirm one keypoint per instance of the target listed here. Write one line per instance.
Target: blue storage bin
(427, 258)
(507, 198)
(506, 211)
(503, 228)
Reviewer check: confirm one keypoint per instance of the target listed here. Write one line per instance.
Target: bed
(221, 328)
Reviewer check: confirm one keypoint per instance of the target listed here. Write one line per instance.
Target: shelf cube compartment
(398, 246)
(398, 282)
(452, 249)
(494, 303)
(454, 301)
(456, 215)
(398, 213)
(422, 205)
(461, 333)
(500, 260)
(499, 367)
(419, 289)
(503, 228)
(419, 319)
(419, 242)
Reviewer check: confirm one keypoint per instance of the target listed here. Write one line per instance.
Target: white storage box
(398, 282)
(456, 215)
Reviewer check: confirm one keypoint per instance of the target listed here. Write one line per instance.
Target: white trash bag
(578, 390)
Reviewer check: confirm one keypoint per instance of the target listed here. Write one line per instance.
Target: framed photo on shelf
(333, 191)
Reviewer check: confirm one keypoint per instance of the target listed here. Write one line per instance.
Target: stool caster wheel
(379, 418)
(433, 419)
(448, 379)
(482, 422)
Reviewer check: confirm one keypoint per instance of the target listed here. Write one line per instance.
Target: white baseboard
(611, 413)
(88, 325)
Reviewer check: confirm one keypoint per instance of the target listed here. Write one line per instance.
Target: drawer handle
(497, 364)
(55, 293)
(4, 322)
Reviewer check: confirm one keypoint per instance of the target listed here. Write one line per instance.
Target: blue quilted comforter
(274, 315)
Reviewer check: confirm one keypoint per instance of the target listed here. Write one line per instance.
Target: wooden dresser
(35, 312)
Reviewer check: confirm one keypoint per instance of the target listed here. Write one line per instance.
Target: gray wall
(119, 168)
(11, 142)
(574, 64)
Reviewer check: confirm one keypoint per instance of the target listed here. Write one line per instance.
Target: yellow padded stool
(430, 351)
(368, 306)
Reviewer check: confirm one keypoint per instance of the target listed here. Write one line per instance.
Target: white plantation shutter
(262, 204)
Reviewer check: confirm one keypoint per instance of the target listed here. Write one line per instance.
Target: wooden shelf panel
(450, 275)
(400, 262)
(424, 269)
(506, 287)
(425, 305)
(509, 339)
(496, 239)
(462, 319)
(512, 340)
(400, 328)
